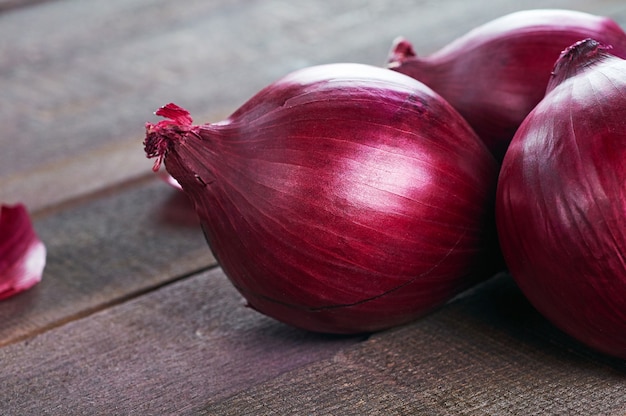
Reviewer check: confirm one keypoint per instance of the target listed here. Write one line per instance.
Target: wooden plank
(192, 348)
(164, 353)
(70, 178)
(104, 251)
(80, 82)
(487, 353)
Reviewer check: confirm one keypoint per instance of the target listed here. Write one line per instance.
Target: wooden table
(134, 316)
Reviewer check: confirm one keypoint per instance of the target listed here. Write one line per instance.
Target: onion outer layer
(22, 253)
(495, 74)
(561, 199)
(342, 198)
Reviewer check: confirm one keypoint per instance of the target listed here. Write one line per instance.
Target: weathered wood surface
(104, 251)
(78, 79)
(193, 348)
(486, 354)
(167, 352)
(130, 320)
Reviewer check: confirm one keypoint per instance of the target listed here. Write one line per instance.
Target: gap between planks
(94, 172)
(85, 313)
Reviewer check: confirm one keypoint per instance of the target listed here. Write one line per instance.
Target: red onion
(342, 198)
(22, 254)
(561, 200)
(495, 74)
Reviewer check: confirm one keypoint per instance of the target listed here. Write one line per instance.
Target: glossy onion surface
(342, 198)
(561, 200)
(495, 74)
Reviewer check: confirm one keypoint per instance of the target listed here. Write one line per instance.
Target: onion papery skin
(495, 74)
(561, 200)
(22, 253)
(342, 198)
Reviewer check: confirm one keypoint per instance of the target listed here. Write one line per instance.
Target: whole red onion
(495, 74)
(342, 198)
(561, 200)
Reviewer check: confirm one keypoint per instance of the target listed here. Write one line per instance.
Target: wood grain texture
(193, 348)
(488, 353)
(132, 316)
(167, 352)
(103, 251)
(78, 85)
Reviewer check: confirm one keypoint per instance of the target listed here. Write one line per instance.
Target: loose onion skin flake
(495, 74)
(342, 198)
(561, 199)
(22, 253)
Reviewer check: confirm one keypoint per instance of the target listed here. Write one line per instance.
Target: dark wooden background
(133, 315)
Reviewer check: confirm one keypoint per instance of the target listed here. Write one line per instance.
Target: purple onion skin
(495, 74)
(22, 253)
(561, 200)
(342, 198)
